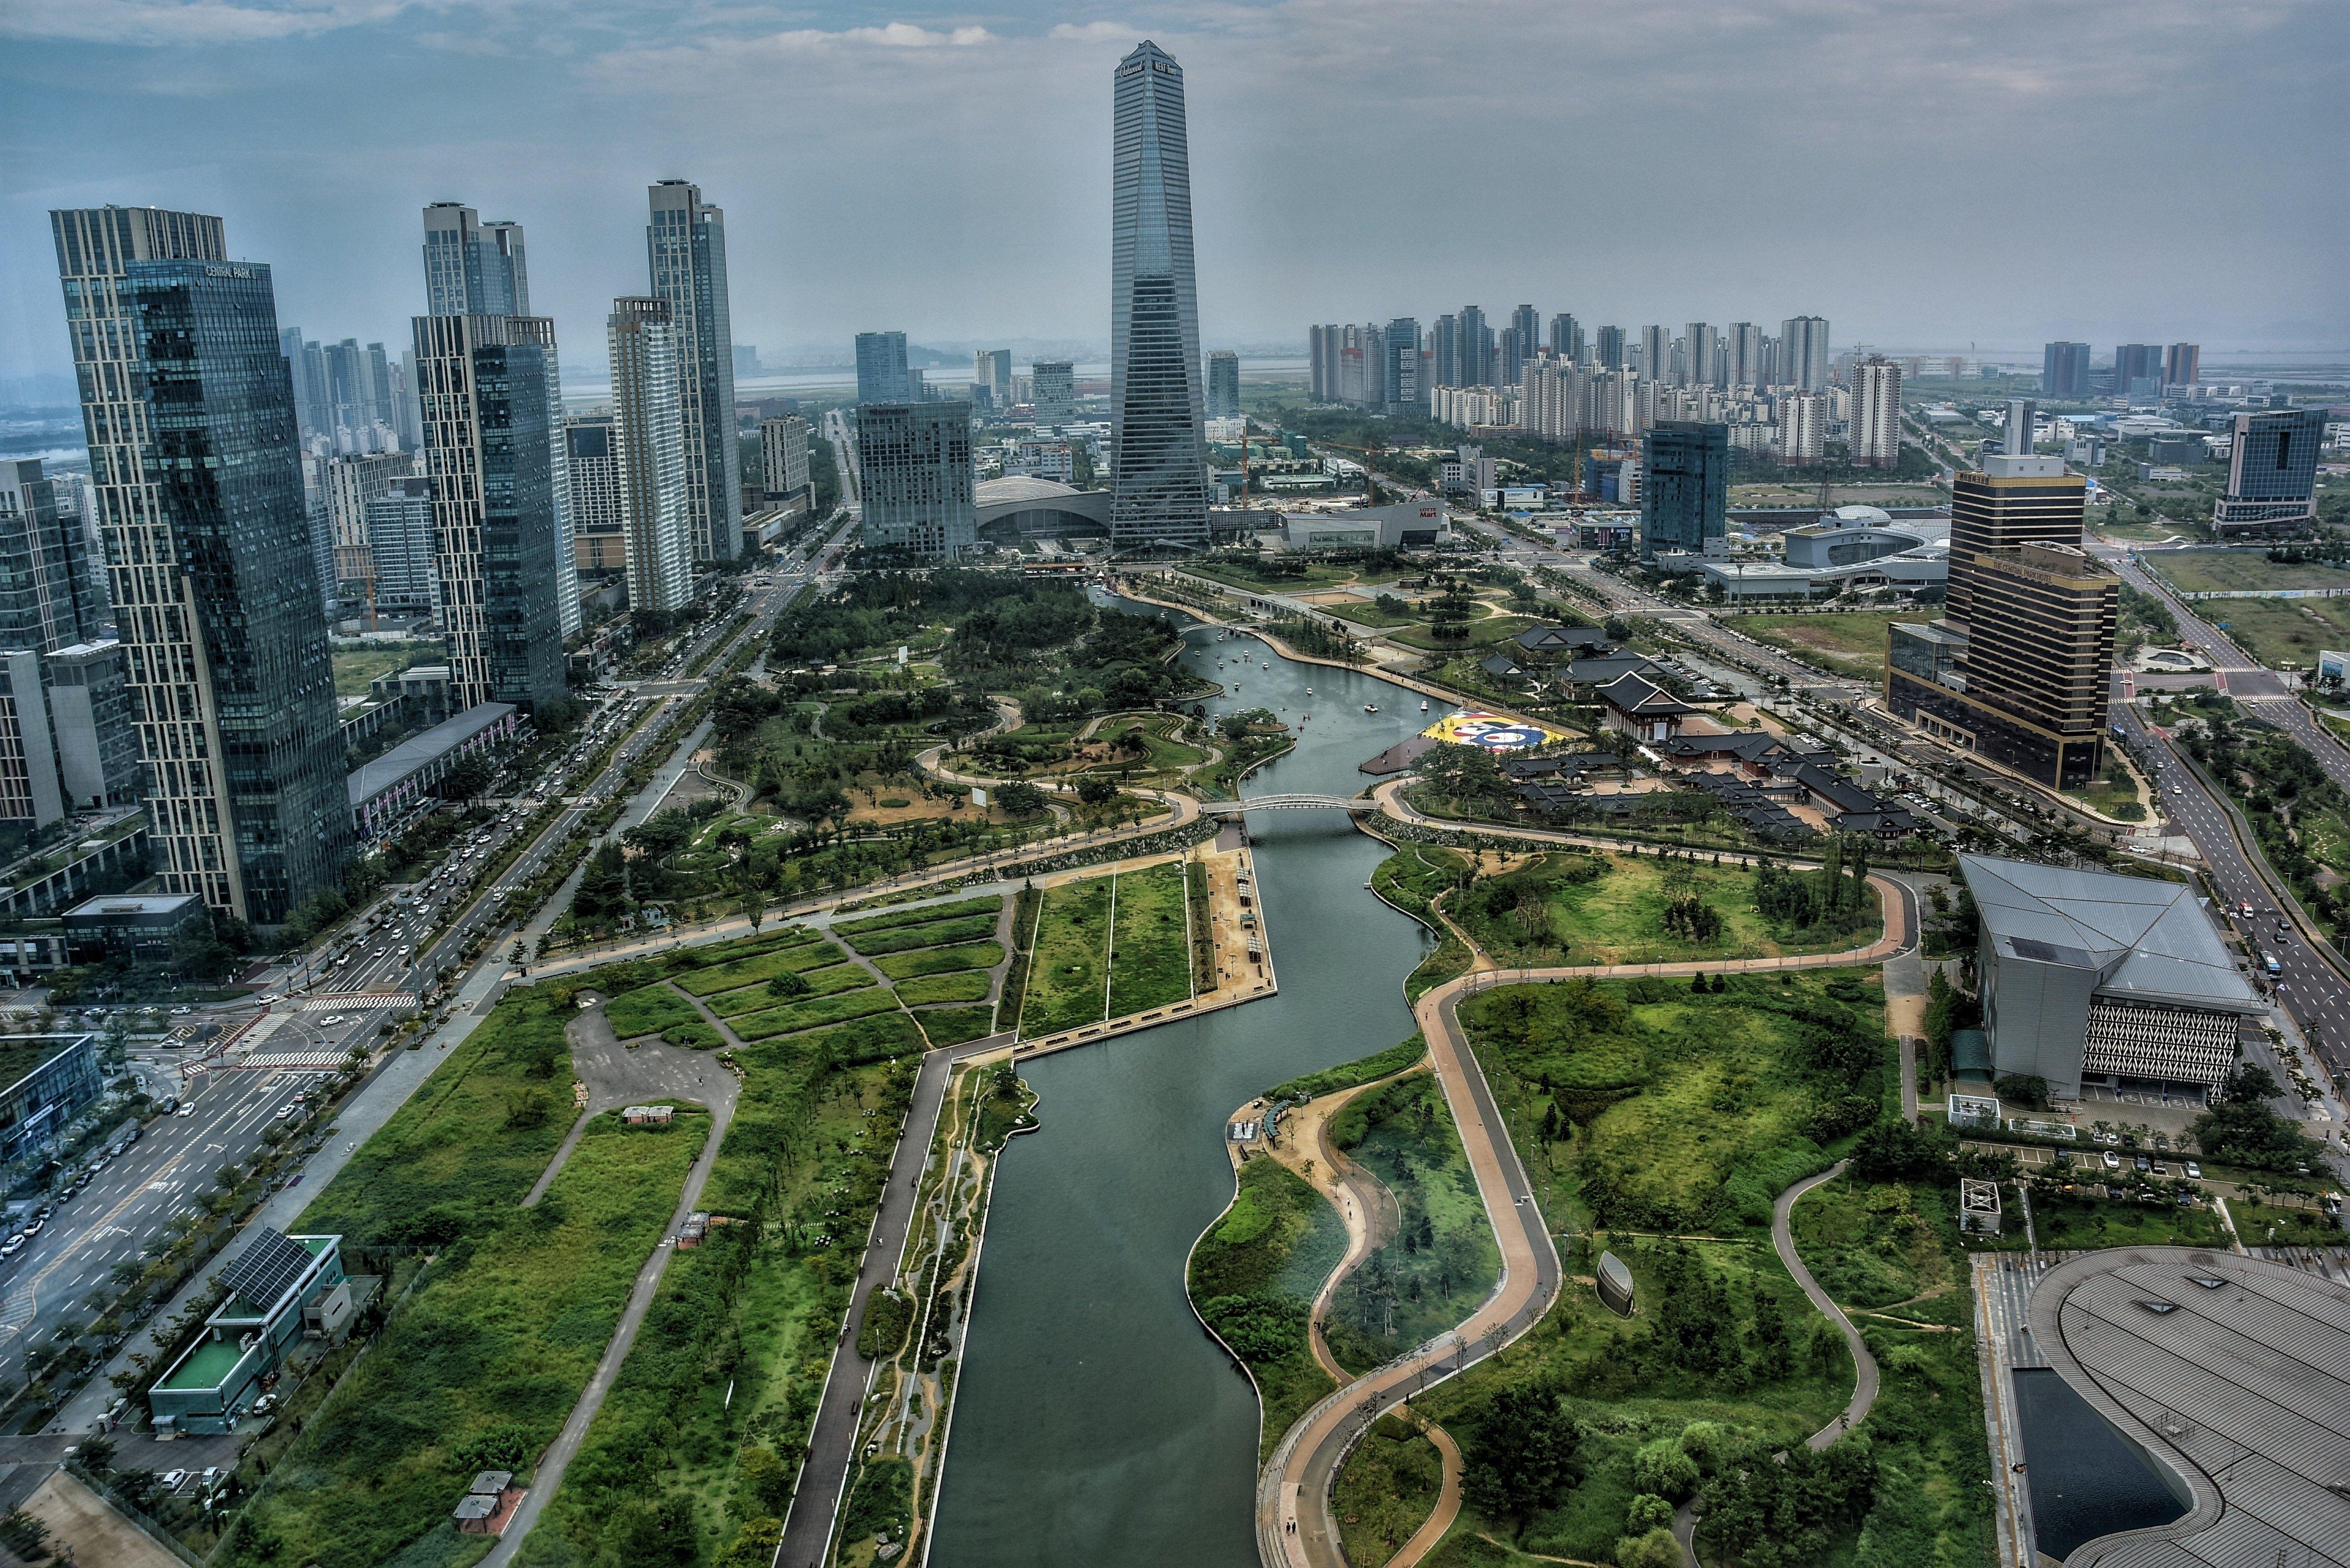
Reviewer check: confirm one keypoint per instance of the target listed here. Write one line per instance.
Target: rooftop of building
(2147, 940)
(21, 1055)
(131, 905)
(373, 778)
(1019, 487)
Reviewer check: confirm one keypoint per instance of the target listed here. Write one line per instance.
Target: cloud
(1095, 32)
(183, 22)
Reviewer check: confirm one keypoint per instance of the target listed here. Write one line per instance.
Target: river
(1096, 1421)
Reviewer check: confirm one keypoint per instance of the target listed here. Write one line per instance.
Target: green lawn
(2282, 633)
(1253, 1277)
(358, 665)
(2223, 571)
(2084, 1223)
(810, 953)
(954, 1025)
(1482, 634)
(931, 934)
(1387, 1490)
(816, 1010)
(1555, 910)
(829, 981)
(889, 921)
(1362, 612)
(1409, 879)
(1843, 643)
(1443, 1260)
(647, 1010)
(971, 985)
(1159, 754)
(1873, 1244)
(940, 960)
(2291, 1227)
(1150, 961)
(1065, 983)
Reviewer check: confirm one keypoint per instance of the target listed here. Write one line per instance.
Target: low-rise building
(137, 927)
(1636, 707)
(281, 1289)
(386, 791)
(1408, 523)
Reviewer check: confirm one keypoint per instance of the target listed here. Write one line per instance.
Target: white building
(784, 446)
(649, 454)
(1875, 438)
(1802, 427)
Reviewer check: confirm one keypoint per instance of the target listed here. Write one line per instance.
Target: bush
(1647, 1512)
(1657, 1549)
(1661, 1467)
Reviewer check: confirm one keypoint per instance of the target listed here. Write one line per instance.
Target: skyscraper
(1875, 438)
(1567, 338)
(1525, 326)
(1607, 348)
(487, 408)
(1158, 491)
(2272, 472)
(1803, 353)
(1052, 384)
(686, 246)
(190, 412)
(1803, 427)
(992, 369)
(2065, 371)
(783, 458)
(1223, 385)
(1684, 490)
(1655, 353)
(1404, 385)
(1446, 369)
(882, 369)
(1744, 343)
(397, 523)
(1476, 348)
(2182, 365)
(649, 454)
(1322, 361)
(2137, 370)
(914, 463)
(1704, 366)
(473, 268)
(599, 536)
(351, 483)
(2011, 502)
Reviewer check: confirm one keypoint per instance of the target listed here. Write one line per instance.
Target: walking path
(1783, 1240)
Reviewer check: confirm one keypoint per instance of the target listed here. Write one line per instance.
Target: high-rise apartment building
(1158, 487)
(991, 369)
(1224, 384)
(351, 483)
(1322, 362)
(1607, 348)
(2182, 365)
(1655, 353)
(1406, 387)
(2022, 426)
(913, 461)
(649, 454)
(686, 246)
(2271, 472)
(1876, 425)
(2138, 370)
(474, 268)
(599, 533)
(1567, 338)
(784, 457)
(1054, 385)
(397, 523)
(50, 596)
(1684, 490)
(1804, 358)
(488, 405)
(882, 369)
(1444, 352)
(1742, 356)
(1526, 327)
(1551, 405)
(1477, 355)
(189, 408)
(1803, 427)
(2065, 371)
(1704, 363)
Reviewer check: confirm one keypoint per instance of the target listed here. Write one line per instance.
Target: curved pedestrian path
(1782, 1241)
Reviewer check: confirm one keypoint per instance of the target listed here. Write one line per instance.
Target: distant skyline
(1923, 175)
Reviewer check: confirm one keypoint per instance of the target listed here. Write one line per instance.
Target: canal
(1096, 1421)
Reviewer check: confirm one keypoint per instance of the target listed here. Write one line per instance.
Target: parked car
(2113, 1160)
(2143, 1164)
(174, 1479)
(2194, 1171)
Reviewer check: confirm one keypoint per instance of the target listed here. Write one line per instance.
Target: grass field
(2223, 571)
(1850, 643)
(1543, 913)
(954, 1025)
(798, 958)
(1253, 1277)
(1150, 961)
(1388, 1489)
(2282, 633)
(2086, 1223)
(829, 981)
(1482, 634)
(2269, 1225)
(1443, 1258)
(647, 1010)
(969, 985)
(940, 960)
(891, 920)
(1065, 982)
(1159, 754)
(931, 934)
(358, 665)
(816, 1010)
(500, 1335)
(1875, 1245)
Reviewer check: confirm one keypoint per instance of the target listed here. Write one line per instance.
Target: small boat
(1423, 705)
(1370, 707)
(1268, 664)
(1309, 692)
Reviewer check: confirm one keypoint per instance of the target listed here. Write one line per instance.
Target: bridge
(1287, 803)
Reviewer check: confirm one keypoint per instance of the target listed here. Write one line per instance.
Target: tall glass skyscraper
(1158, 491)
(189, 410)
(686, 246)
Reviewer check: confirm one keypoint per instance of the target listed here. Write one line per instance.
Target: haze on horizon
(1926, 175)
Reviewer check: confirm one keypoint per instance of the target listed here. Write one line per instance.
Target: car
(11, 1246)
(43, 1213)
(211, 1478)
(182, 1011)
(174, 1479)
(2161, 1169)
(285, 1111)
(185, 1111)
(2113, 1160)
(2142, 1164)
(2194, 1171)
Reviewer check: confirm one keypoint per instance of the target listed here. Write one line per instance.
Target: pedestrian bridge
(1287, 803)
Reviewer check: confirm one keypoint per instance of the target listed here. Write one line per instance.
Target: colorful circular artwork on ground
(1490, 732)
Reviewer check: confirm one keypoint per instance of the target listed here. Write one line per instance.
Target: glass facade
(915, 463)
(1683, 490)
(222, 460)
(685, 245)
(1158, 448)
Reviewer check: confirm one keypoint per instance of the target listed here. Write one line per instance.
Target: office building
(1803, 358)
(2182, 365)
(190, 409)
(1158, 486)
(913, 461)
(1607, 348)
(50, 594)
(1322, 363)
(473, 268)
(686, 244)
(2138, 371)
(1684, 485)
(2022, 426)
(2271, 472)
(2064, 372)
(882, 369)
(784, 457)
(351, 483)
(991, 369)
(89, 699)
(1407, 387)
(1052, 384)
(62, 747)
(488, 409)
(649, 454)
(397, 524)
(2089, 976)
(1876, 424)
(1803, 427)
(1224, 384)
(598, 533)
(2010, 502)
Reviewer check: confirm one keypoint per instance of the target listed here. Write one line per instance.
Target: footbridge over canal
(1357, 803)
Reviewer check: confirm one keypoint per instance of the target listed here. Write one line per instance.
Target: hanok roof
(2148, 941)
(1500, 665)
(1563, 639)
(1600, 671)
(1841, 793)
(1746, 745)
(1637, 696)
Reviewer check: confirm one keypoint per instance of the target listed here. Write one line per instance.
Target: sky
(1928, 174)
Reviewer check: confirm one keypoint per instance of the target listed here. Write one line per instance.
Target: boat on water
(1423, 705)
(1370, 707)
(1309, 692)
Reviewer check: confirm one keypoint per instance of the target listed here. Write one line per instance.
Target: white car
(185, 1111)
(174, 1479)
(11, 1246)
(285, 1111)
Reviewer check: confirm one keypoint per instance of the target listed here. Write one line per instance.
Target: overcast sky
(1925, 174)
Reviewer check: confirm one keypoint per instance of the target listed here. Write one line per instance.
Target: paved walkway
(1783, 1240)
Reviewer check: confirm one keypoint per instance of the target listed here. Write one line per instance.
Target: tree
(1096, 791)
(1659, 1465)
(788, 985)
(1020, 798)
(2240, 1129)
(1655, 1549)
(1521, 1453)
(467, 778)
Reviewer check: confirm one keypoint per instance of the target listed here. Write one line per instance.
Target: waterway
(1096, 1421)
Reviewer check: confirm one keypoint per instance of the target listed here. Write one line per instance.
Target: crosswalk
(17, 1310)
(357, 1001)
(270, 1061)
